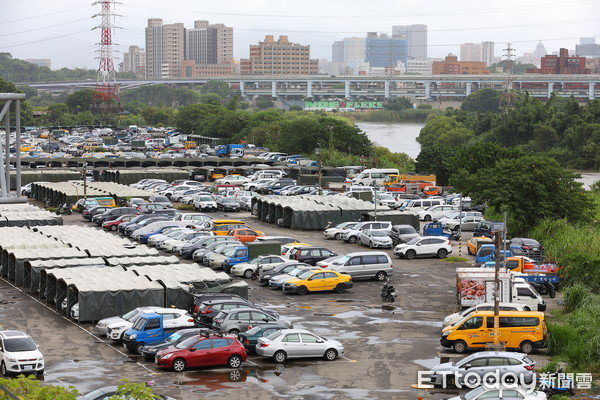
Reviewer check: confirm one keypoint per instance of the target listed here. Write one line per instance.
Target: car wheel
(370, 244)
(178, 365)
(227, 183)
(3, 369)
(40, 373)
(381, 276)
(248, 273)
(352, 239)
(427, 218)
(340, 288)
(330, 355)
(526, 347)
(280, 356)
(456, 228)
(234, 331)
(459, 346)
(138, 348)
(234, 361)
(113, 228)
(302, 290)
(442, 253)
(337, 236)
(410, 254)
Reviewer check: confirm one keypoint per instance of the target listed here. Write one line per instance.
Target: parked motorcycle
(64, 209)
(545, 287)
(388, 293)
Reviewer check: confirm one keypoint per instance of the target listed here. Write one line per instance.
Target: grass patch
(455, 259)
(184, 207)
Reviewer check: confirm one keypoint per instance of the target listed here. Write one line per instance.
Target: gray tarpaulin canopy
(17, 257)
(129, 176)
(104, 292)
(26, 215)
(396, 217)
(176, 279)
(57, 193)
(128, 261)
(33, 268)
(311, 212)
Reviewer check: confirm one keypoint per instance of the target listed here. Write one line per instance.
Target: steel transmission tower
(506, 97)
(106, 93)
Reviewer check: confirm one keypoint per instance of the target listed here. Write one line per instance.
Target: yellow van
(221, 227)
(522, 330)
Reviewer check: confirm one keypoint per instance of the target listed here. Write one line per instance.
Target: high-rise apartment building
(134, 61)
(280, 57)
(416, 35)
(470, 52)
(354, 49)
(385, 51)
(487, 53)
(165, 49)
(337, 51)
(420, 66)
(208, 50)
(587, 47)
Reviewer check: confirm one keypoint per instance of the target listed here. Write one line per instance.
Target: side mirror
(467, 366)
(192, 349)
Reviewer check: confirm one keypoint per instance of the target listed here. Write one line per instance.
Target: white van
(373, 176)
(415, 206)
(365, 264)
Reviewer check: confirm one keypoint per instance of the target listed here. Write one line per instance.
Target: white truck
(475, 286)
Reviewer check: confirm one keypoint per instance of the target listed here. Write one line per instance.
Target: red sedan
(200, 351)
(113, 225)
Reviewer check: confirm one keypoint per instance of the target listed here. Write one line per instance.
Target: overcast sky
(62, 30)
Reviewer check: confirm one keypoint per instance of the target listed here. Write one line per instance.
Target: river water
(401, 138)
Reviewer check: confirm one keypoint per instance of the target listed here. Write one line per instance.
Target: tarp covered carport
(32, 269)
(17, 257)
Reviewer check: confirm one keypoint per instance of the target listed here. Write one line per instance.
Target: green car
(251, 336)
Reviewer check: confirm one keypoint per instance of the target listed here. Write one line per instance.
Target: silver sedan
(296, 343)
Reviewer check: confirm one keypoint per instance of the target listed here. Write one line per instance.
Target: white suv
(19, 354)
(428, 246)
(436, 212)
(353, 235)
(204, 202)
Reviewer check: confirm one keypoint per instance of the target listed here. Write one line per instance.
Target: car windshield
(305, 274)
(228, 200)
(14, 345)
(414, 241)
(385, 197)
(186, 343)
(341, 261)
(453, 215)
(174, 338)
(138, 325)
(406, 231)
(255, 260)
(254, 331)
(230, 251)
(161, 199)
(296, 271)
(129, 315)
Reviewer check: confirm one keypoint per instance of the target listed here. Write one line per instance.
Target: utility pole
(460, 208)
(85, 180)
(506, 97)
(319, 167)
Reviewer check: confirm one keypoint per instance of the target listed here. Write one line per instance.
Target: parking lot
(385, 343)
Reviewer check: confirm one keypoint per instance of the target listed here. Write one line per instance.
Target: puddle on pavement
(387, 307)
(219, 379)
(428, 363)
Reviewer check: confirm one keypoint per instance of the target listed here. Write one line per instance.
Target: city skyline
(64, 34)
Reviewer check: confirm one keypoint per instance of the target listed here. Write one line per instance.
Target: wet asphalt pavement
(385, 343)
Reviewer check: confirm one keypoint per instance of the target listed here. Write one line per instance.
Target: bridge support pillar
(427, 90)
(550, 88)
(273, 89)
(469, 88)
(309, 89)
(591, 94)
(347, 89)
(242, 93)
(386, 89)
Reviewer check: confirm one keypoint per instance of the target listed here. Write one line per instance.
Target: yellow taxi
(474, 244)
(318, 280)
(221, 227)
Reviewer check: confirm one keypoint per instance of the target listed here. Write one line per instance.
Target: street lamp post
(85, 180)
(319, 166)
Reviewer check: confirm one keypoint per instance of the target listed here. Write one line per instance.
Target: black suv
(199, 299)
(488, 228)
(311, 255)
(531, 247)
(276, 186)
(90, 212)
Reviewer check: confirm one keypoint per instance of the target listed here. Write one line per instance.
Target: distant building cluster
(174, 51)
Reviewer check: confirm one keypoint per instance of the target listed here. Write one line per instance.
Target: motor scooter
(64, 209)
(388, 293)
(544, 287)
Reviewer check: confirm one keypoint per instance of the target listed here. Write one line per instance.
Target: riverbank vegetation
(515, 160)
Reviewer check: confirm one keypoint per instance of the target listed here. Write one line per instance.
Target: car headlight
(133, 336)
(167, 356)
(444, 334)
(12, 360)
(292, 284)
(41, 359)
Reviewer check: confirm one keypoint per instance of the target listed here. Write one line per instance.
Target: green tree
(435, 160)
(80, 101)
(398, 103)
(30, 388)
(58, 112)
(437, 127)
(482, 100)
(530, 188)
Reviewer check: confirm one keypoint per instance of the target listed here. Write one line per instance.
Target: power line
(44, 27)
(44, 15)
